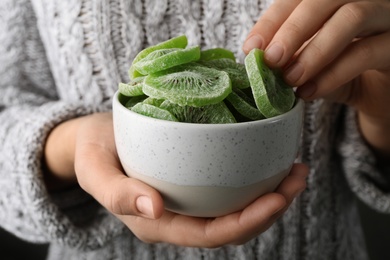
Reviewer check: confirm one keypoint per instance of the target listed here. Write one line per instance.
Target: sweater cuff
(71, 218)
(367, 179)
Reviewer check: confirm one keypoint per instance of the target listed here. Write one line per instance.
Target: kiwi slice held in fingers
(166, 58)
(216, 53)
(189, 85)
(176, 42)
(272, 96)
(210, 114)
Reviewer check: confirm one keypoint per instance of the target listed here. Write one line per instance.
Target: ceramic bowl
(207, 170)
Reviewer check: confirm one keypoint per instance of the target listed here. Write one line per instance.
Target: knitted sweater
(64, 59)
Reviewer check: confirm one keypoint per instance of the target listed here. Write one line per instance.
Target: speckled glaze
(251, 157)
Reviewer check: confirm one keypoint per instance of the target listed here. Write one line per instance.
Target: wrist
(58, 161)
(376, 133)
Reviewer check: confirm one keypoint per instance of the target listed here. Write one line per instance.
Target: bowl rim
(297, 108)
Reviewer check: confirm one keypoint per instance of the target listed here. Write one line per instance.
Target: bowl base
(210, 201)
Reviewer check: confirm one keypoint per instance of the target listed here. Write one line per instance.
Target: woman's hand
(236, 228)
(83, 150)
(89, 155)
(336, 49)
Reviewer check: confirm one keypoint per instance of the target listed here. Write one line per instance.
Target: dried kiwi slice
(211, 114)
(244, 106)
(176, 42)
(135, 100)
(189, 85)
(236, 71)
(163, 59)
(153, 111)
(133, 88)
(153, 101)
(216, 53)
(272, 96)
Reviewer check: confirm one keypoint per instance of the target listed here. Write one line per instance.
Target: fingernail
(294, 73)
(255, 41)
(145, 206)
(274, 53)
(307, 90)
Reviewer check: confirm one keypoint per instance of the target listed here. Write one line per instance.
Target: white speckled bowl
(207, 170)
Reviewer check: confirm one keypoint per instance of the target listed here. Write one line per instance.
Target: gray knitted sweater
(63, 59)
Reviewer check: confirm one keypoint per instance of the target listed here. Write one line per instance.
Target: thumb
(100, 173)
(128, 196)
(119, 194)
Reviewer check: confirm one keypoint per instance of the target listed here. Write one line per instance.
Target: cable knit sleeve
(30, 108)
(369, 181)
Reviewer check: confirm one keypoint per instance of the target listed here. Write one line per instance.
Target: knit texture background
(64, 59)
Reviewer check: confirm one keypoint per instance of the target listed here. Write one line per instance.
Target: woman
(61, 179)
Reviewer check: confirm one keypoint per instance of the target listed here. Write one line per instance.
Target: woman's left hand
(334, 49)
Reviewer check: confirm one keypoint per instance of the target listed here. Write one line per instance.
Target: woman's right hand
(83, 150)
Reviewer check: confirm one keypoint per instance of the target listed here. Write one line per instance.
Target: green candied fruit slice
(175, 42)
(211, 114)
(236, 71)
(189, 85)
(153, 111)
(272, 96)
(242, 104)
(216, 53)
(166, 58)
(133, 88)
(132, 101)
(153, 101)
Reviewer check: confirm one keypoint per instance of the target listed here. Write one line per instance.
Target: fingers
(100, 174)
(210, 233)
(235, 228)
(326, 44)
(294, 183)
(239, 227)
(285, 27)
(115, 191)
(350, 21)
(369, 53)
(300, 26)
(265, 28)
